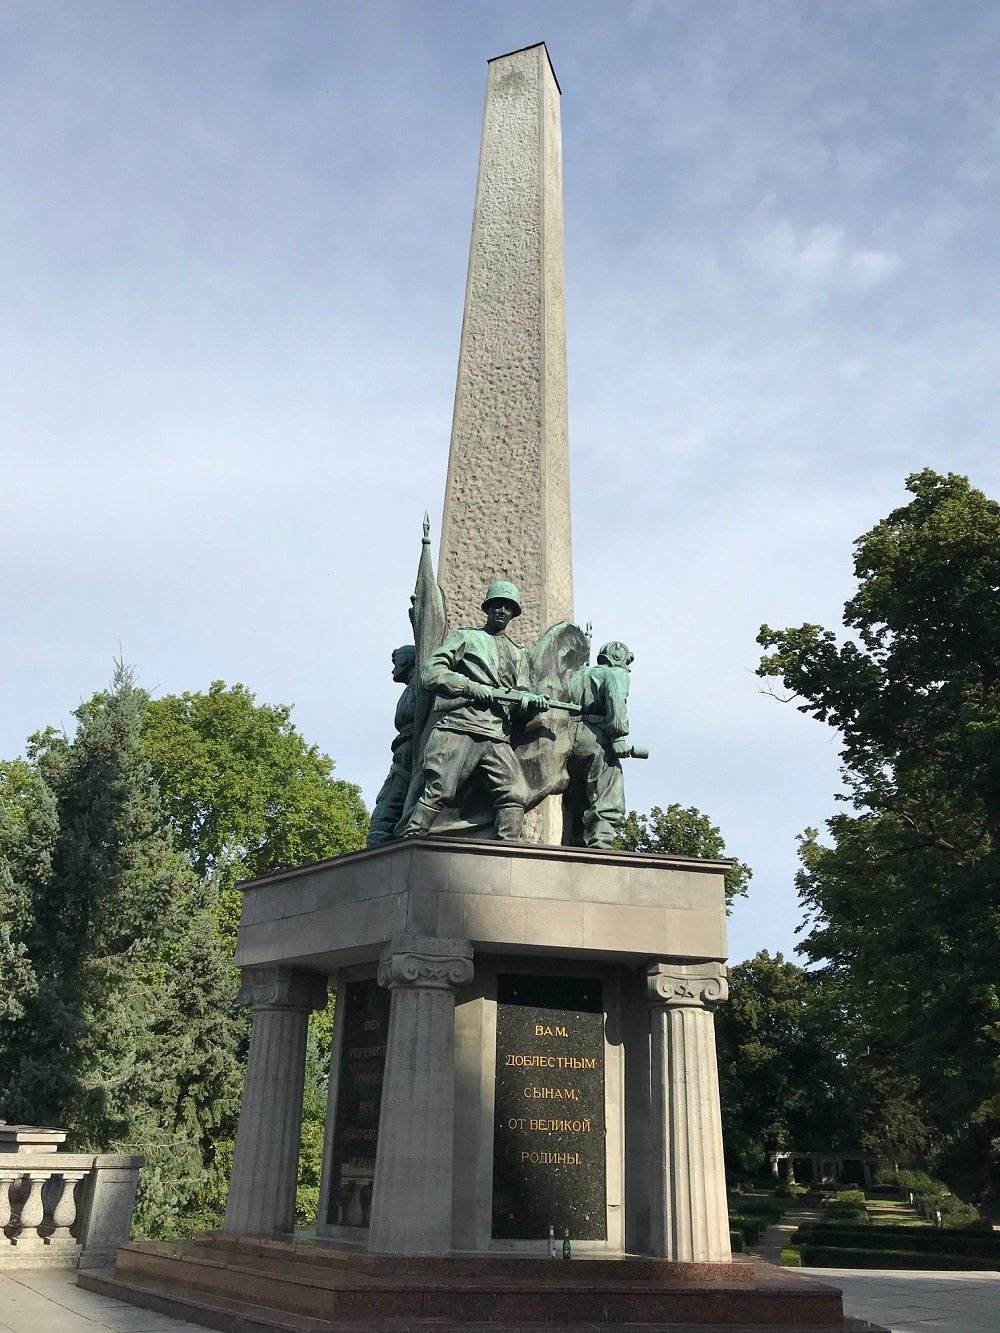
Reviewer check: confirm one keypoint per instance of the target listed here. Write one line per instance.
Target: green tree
(782, 1072)
(243, 792)
(682, 831)
(125, 1040)
(28, 825)
(904, 901)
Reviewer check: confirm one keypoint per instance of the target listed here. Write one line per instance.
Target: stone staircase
(244, 1285)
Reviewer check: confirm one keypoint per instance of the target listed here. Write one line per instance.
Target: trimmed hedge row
(922, 1240)
(749, 1228)
(756, 1205)
(822, 1256)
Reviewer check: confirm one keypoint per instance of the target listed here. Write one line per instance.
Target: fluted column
(690, 1219)
(265, 1167)
(414, 1164)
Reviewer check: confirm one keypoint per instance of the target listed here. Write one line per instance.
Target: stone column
(690, 1219)
(262, 1189)
(414, 1163)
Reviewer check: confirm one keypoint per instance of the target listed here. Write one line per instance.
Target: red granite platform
(243, 1285)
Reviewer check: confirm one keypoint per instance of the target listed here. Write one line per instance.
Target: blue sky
(235, 240)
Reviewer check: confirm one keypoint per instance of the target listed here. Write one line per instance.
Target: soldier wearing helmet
(596, 785)
(471, 734)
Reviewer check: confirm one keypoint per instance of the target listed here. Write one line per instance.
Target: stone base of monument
(523, 1049)
(524, 1040)
(261, 1286)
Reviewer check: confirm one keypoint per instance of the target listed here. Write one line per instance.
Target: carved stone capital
(426, 963)
(677, 985)
(282, 988)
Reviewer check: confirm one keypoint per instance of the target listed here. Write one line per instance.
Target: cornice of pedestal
(426, 964)
(282, 988)
(686, 985)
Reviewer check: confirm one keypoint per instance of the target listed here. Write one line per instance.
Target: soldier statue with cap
(479, 680)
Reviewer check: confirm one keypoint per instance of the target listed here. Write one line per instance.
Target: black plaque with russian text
(548, 1140)
(359, 1099)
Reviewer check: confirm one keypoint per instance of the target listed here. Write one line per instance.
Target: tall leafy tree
(904, 899)
(682, 831)
(125, 957)
(243, 791)
(782, 1069)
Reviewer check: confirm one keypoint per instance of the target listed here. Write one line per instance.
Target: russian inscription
(548, 1142)
(359, 1097)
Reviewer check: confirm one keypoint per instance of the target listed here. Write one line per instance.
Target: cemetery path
(903, 1302)
(775, 1238)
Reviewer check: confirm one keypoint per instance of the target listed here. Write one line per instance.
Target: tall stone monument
(523, 1039)
(506, 508)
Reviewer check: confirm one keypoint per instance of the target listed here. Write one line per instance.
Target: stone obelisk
(506, 508)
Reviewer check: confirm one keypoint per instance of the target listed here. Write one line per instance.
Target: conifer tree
(130, 1041)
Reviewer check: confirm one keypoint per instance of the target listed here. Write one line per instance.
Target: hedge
(914, 1240)
(820, 1256)
(767, 1207)
(749, 1227)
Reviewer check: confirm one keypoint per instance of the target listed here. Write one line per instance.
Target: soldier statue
(479, 679)
(596, 785)
(391, 799)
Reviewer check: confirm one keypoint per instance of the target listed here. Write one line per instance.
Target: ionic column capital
(282, 988)
(686, 985)
(425, 963)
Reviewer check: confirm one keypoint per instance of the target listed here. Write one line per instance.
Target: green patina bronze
(487, 729)
(391, 799)
(480, 682)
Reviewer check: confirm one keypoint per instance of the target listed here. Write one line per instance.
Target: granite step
(229, 1315)
(281, 1288)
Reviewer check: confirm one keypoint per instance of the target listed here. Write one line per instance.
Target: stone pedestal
(262, 1191)
(690, 1218)
(542, 1057)
(412, 1198)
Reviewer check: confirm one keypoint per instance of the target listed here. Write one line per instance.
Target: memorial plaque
(359, 1100)
(548, 1139)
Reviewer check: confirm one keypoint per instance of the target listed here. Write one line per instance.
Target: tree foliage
(242, 790)
(28, 825)
(781, 1069)
(904, 901)
(682, 831)
(124, 1036)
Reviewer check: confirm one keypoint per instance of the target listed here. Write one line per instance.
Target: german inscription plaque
(548, 1141)
(359, 1099)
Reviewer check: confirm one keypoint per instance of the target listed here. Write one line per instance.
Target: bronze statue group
(487, 730)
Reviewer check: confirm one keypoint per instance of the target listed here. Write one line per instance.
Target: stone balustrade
(65, 1210)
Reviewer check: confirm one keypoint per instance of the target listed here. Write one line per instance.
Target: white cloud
(817, 261)
(235, 253)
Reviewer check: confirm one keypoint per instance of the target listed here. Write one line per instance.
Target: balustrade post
(64, 1213)
(32, 1210)
(7, 1179)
